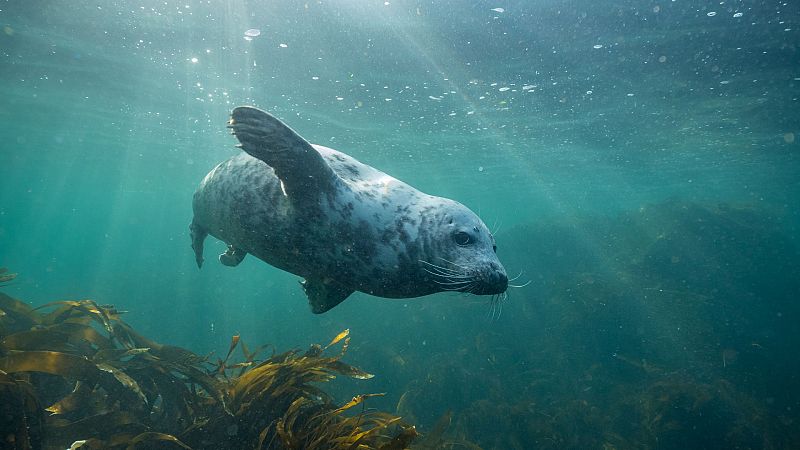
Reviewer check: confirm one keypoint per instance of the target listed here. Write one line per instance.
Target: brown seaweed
(5, 276)
(74, 375)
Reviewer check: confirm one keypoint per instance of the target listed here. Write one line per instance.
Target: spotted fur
(341, 224)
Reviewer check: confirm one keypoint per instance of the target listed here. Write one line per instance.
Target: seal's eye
(494, 247)
(462, 238)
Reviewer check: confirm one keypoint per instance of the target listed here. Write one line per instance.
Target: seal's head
(464, 253)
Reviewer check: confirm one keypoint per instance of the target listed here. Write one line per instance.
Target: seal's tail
(198, 236)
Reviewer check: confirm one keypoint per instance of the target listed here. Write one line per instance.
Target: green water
(639, 160)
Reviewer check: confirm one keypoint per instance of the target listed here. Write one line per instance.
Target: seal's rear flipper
(322, 295)
(303, 172)
(198, 236)
(232, 256)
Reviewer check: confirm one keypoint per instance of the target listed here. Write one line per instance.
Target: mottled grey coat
(342, 225)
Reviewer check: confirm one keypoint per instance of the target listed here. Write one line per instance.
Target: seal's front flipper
(324, 294)
(232, 256)
(297, 164)
(198, 236)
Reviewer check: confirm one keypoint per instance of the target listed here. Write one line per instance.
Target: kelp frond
(5, 276)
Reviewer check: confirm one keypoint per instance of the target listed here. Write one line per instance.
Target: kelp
(5, 276)
(21, 412)
(74, 375)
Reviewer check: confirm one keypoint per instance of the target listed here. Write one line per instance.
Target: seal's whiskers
(448, 276)
(467, 289)
(495, 227)
(453, 283)
(518, 285)
(439, 273)
(496, 305)
(470, 289)
(442, 270)
(449, 279)
(452, 263)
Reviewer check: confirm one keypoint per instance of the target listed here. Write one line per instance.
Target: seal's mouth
(490, 279)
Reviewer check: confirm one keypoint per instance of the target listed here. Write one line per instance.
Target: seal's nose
(502, 280)
(498, 278)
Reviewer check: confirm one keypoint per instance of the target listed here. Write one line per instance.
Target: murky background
(639, 159)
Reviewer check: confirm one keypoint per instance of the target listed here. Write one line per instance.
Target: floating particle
(387, 99)
(630, 95)
(282, 45)
(315, 78)
(480, 168)
(252, 32)
(788, 138)
(528, 87)
(711, 14)
(737, 15)
(434, 98)
(725, 82)
(503, 89)
(340, 98)
(498, 10)
(662, 59)
(597, 46)
(194, 60)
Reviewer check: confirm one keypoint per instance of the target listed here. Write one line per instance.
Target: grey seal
(340, 224)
